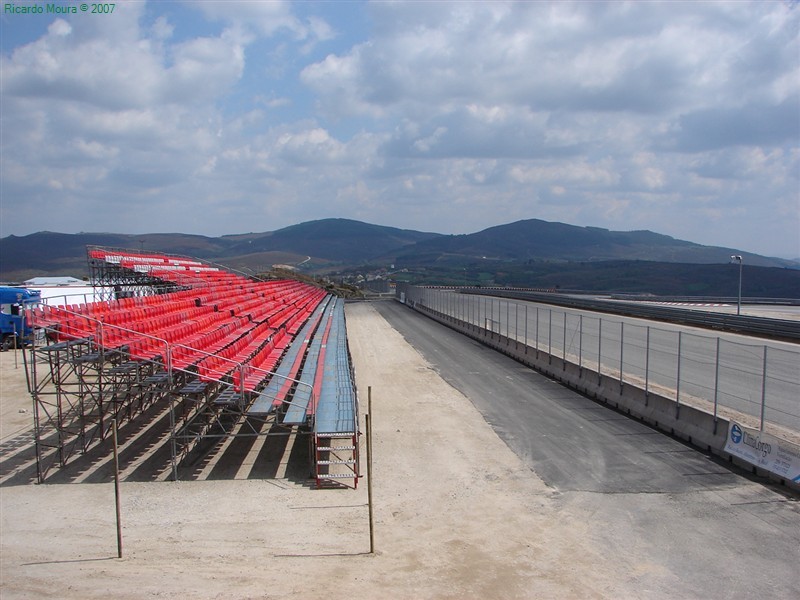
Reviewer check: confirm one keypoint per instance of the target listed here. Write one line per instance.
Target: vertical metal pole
(508, 322)
(493, 321)
(516, 325)
(763, 389)
(716, 384)
(537, 332)
(550, 336)
(116, 487)
(37, 439)
(369, 472)
(678, 383)
(647, 368)
(172, 441)
(621, 347)
(564, 349)
(599, 348)
(526, 328)
(241, 385)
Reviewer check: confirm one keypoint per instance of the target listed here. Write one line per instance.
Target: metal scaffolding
(79, 386)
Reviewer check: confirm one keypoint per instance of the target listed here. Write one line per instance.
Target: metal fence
(757, 384)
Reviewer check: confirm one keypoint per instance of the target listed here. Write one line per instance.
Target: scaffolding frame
(78, 390)
(79, 387)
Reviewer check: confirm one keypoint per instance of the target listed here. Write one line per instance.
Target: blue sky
(231, 117)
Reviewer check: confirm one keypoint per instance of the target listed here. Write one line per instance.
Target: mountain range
(336, 244)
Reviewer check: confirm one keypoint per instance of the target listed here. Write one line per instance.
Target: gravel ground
(457, 514)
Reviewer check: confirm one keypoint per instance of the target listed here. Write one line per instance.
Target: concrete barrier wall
(685, 422)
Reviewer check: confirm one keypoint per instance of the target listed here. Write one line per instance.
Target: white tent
(53, 281)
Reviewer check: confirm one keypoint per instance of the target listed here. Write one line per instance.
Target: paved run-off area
(457, 515)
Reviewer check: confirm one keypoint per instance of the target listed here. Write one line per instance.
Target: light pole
(738, 258)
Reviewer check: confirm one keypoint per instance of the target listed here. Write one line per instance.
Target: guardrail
(757, 380)
(712, 392)
(763, 326)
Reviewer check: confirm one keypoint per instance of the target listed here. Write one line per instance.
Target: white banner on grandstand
(764, 450)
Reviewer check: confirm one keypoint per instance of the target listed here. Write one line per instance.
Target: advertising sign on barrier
(764, 450)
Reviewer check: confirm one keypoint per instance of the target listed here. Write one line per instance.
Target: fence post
(526, 328)
(369, 472)
(621, 351)
(580, 345)
(716, 386)
(508, 322)
(498, 316)
(537, 333)
(564, 350)
(647, 368)
(678, 382)
(763, 389)
(599, 349)
(550, 338)
(116, 486)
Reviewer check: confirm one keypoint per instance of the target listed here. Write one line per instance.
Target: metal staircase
(336, 456)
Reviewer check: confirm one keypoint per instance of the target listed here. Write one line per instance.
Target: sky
(232, 117)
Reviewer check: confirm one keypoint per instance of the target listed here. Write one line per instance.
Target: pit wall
(685, 422)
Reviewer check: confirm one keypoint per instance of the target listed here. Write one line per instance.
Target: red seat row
(224, 316)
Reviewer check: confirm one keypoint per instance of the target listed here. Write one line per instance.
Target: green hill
(524, 253)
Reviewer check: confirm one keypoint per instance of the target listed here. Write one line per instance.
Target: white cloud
(162, 29)
(266, 17)
(441, 116)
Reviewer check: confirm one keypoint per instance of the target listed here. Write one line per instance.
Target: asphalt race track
(666, 504)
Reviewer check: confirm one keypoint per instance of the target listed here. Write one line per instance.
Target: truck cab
(14, 328)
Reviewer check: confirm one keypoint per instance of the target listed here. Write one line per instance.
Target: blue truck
(15, 331)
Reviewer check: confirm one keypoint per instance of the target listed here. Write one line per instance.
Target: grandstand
(228, 355)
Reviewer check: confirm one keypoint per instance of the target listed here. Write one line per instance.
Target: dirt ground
(457, 514)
